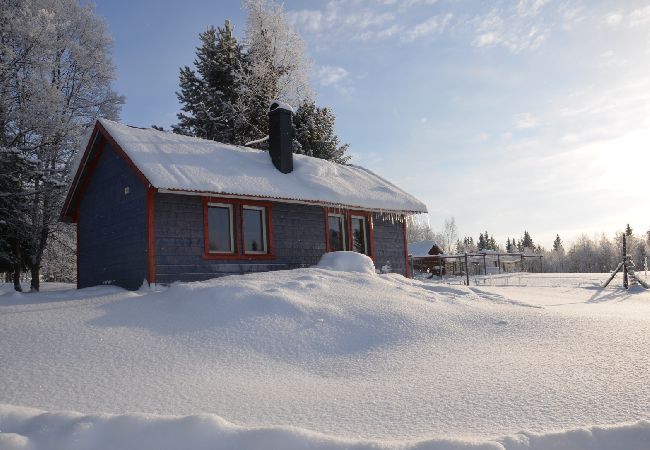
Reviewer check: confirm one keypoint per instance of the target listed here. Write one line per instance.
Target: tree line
(599, 253)
(56, 76)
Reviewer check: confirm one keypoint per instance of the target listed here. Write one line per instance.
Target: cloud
(530, 7)
(309, 20)
(526, 120)
(640, 16)
(385, 33)
(434, 24)
(330, 75)
(508, 29)
(613, 19)
(343, 19)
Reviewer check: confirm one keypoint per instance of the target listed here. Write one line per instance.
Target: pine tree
(314, 133)
(209, 95)
(557, 244)
(527, 241)
(628, 230)
(481, 242)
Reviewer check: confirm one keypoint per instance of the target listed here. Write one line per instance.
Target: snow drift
(347, 262)
(357, 358)
(32, 429)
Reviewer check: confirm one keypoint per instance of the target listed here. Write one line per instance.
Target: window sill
(237, 256)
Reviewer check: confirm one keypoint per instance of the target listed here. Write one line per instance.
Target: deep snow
(350, 355)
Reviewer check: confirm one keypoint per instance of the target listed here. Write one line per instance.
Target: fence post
(466, 269)
(625, 280)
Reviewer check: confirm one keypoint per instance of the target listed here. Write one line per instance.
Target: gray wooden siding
(113, 226)
(389, 243)
(298, 241)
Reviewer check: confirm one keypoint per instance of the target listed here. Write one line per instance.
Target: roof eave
(290, 200)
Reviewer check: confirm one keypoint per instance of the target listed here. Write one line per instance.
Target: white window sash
(365, 236)
(232, 228)
(341, 218)
(264, 244)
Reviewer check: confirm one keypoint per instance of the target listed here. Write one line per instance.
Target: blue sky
(507, 115)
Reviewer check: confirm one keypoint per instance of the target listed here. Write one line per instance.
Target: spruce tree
(209, 95)
(481, 242)
(557, 244)
(628, 230)
(527, 241)
(314, 133)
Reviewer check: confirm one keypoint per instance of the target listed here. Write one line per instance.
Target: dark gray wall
(389, 243)
(113, 226)
(298, 240)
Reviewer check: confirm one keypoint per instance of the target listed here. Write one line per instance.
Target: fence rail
(524, 279)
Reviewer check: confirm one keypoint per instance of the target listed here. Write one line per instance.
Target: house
(161, 207)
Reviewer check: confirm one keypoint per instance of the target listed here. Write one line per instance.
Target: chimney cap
(277, 104)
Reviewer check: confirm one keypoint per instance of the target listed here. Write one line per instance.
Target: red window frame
(238, 232)
(347, 216)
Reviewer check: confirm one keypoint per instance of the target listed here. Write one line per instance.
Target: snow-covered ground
(320, 358)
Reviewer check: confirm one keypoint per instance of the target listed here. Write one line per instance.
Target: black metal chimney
(281, 136)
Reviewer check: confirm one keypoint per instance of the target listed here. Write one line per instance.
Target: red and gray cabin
(159, 207)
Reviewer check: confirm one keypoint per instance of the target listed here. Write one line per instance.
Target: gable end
(99, 137)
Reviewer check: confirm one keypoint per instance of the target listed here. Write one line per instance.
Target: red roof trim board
(406, 249)
(151, 236)
(98, 139)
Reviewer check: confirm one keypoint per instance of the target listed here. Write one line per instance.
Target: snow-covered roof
(181, 163)
(421, 248)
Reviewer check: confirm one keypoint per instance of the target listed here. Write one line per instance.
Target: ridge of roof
(186, 163)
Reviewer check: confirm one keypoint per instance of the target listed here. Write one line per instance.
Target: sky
(506, 115)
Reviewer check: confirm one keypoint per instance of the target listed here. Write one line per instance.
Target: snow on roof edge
(116, 131)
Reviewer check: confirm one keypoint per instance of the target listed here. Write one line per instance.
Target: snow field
(319, 358)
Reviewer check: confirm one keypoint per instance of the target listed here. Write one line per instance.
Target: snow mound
(346, 262)
(33, 429)
(377, 361)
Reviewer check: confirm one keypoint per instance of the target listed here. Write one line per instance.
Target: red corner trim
(238, 232)
(326, 212)
(78, 276)
(406, 249)
(151, 235)
(371, 236)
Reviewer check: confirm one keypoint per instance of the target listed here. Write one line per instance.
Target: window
(349, 230)
(254, 226)
(237, 229)
(220, 229)
(359, 235)
(337, 240)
